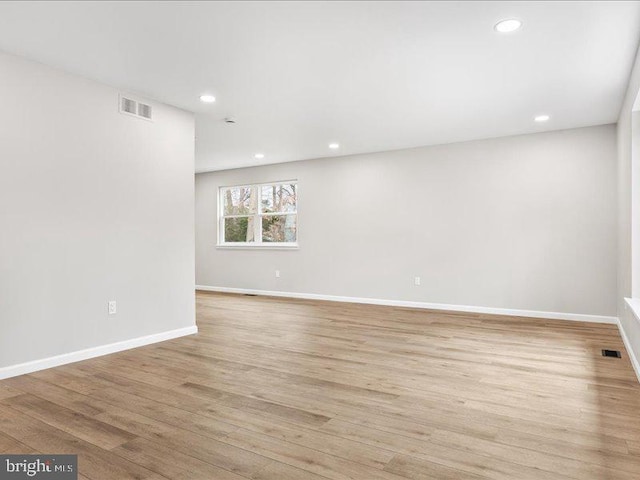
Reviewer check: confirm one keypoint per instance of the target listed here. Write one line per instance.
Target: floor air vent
(611, 353)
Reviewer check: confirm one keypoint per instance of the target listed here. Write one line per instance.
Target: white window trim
(258, 244)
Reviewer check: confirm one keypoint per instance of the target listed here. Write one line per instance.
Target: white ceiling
(372, 76)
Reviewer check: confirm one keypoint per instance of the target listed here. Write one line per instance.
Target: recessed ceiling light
(507, 25)
(259, 155)
(334, 146)
(207, 98)
(541, 118)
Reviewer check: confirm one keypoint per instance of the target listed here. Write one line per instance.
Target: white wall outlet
(112, 307)
(277, 273)
(416, 281)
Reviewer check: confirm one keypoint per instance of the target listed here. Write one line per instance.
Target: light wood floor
(290, 389)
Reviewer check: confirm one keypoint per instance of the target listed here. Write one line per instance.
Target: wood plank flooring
(279, 389)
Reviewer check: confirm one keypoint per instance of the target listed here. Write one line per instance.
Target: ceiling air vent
(138, 109)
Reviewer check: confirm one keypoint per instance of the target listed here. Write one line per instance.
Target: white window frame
(257, 225)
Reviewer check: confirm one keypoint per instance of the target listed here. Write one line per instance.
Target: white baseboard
(34, 366)
(579, 317)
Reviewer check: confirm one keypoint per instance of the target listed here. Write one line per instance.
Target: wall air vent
(144, 110)
(129, 106)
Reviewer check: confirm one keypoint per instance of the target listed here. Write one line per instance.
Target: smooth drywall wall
(94, 206)
(628, 321)
(525, 222)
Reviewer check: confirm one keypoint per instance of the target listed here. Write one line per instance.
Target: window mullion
(257, 222)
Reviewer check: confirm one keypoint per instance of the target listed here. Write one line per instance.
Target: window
(263, 215)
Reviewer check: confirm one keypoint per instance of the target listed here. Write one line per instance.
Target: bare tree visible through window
(239, 210)
(258, 214)
(276, 201)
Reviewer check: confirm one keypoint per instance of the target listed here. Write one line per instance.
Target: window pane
(278, 198)
(279, 228)
(239, 201)
(238, 229)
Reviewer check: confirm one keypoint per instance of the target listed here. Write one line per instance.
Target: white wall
(525, 222)
(628, 321)
(94, 206)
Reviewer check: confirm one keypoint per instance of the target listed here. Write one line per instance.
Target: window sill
(633, 304)
(261, 246)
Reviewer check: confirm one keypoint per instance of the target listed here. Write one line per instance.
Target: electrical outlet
(416, 281)
(112, 307)
(277, 273)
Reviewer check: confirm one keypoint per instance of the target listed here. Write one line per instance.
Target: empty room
(311, 240)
